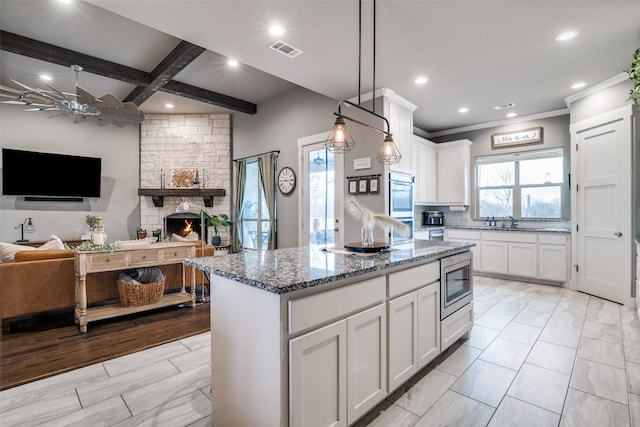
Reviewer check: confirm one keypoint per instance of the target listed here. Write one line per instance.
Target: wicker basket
(134, 295)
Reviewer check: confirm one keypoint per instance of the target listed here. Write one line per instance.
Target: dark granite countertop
(287, 270)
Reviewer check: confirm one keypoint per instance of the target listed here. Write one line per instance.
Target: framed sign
(362, 185)
(353, 186)
(373, 185)
(520, 137)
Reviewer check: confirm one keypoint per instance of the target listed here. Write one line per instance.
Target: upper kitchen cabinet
(399, 112)
(454, 159)
(424, 157)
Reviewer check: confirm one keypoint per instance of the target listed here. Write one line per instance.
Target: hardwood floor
(49, 345)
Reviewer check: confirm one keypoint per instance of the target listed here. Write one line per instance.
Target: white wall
(277, 126)
(118, 148)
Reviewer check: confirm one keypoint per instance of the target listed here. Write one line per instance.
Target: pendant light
(340, 139)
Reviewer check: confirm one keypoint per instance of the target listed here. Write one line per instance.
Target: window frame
(259, 219)
(516, 188)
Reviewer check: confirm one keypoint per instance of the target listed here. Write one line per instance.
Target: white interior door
(321, 202)
(602, 167)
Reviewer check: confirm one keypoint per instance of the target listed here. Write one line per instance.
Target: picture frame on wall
(362, 186)
(374, 185)
(353, 186)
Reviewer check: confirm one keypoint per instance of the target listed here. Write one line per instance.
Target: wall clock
(286, 180)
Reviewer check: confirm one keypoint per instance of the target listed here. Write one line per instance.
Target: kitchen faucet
(513, 222)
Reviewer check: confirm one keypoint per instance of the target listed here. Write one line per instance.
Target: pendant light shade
(339, 140)
(389, 153)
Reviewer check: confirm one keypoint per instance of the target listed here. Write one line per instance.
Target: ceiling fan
(80, 105)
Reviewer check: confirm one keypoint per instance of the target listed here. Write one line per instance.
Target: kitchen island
(305, 334)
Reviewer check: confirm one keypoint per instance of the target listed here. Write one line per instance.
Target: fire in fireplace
(182, 224)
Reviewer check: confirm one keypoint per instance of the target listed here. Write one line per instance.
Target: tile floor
(537, 356)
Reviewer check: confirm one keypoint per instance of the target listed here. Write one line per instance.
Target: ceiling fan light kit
(339, 139)
(80, 105)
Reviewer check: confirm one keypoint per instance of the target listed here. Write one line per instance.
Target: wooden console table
(135, 256)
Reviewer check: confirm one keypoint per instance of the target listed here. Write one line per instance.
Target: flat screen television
(31, 173)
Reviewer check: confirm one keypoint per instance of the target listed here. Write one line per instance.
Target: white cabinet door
(403, 337)
(428, 323)
(453, 173)
(426, 170)
(494, 257)
(401, 122)
(523, 259)
(366, 361)
(552, 262)
(318, 377)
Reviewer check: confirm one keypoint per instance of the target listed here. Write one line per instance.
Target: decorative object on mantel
(184, 177)
(340, 139)
(520, 137)
(634, 76)
(81, 106)
(369, 220)
(216, 221)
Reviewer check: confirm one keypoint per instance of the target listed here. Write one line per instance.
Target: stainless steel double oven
(401, 204)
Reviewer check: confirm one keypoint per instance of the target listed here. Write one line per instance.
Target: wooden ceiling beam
(57, 55)
(172, 64)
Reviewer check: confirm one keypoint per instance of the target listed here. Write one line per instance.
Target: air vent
(285, 49)
(504, 106)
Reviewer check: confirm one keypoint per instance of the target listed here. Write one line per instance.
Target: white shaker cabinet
(366, 361)
(495, 257)
(425, 161)
(414, 321)
(318, 370)
(454, 162)
(399, 112)
(523, 259)
(552, 258)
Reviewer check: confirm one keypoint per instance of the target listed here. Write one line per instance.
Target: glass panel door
(323, 186)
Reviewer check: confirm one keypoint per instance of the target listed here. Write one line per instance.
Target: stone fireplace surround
(170, 141)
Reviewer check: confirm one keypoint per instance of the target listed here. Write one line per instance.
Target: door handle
(618, 234)
(336, 229)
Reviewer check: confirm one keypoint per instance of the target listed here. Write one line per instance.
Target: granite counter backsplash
(499, 228)
(287, 270)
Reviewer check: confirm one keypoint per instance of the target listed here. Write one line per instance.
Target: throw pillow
(8, 250)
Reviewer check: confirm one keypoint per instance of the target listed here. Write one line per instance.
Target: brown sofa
(40, 285)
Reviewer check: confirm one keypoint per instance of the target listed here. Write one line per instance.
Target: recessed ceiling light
(578, 85)
(463, 110)
(45, 77)
(566, 35)
(277, 30)
(421, 80)
(168, 105)
(232, 63)
(510, 115)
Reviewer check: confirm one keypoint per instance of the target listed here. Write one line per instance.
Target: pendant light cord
(373, 97)
(359, 49)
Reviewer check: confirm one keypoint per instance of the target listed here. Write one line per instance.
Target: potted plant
(634, 76)
(216, 221)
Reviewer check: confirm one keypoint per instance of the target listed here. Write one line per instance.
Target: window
(254, 217)
(525, 185)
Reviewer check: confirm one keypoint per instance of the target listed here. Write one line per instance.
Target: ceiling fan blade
(110, 100)
(10, 89)
(23, 85)
(57, 92)
(15, 102)
(85, 96)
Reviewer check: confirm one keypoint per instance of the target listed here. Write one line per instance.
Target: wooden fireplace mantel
(157, 194)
